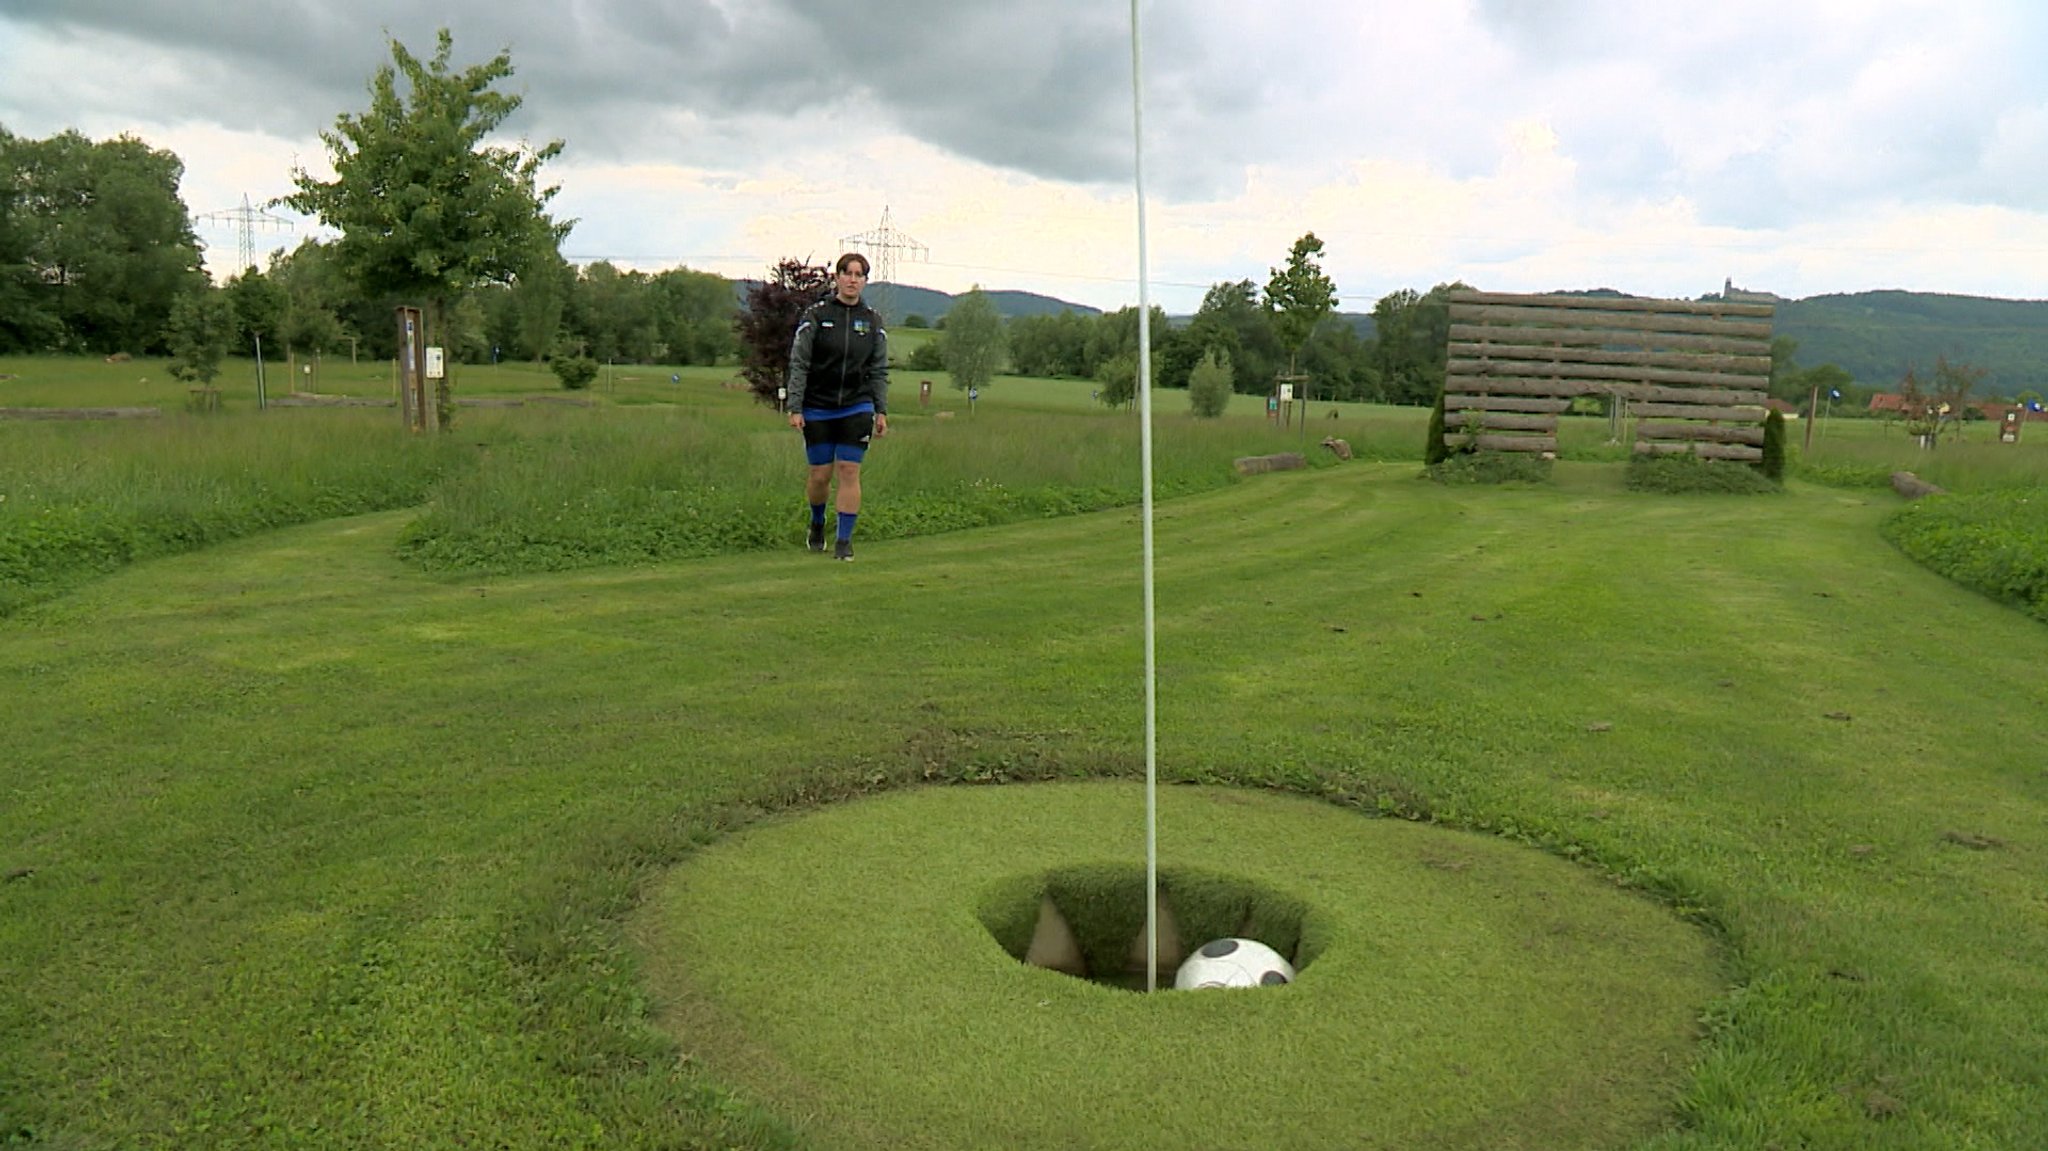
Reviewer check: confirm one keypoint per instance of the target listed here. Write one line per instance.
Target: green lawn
(306, 848)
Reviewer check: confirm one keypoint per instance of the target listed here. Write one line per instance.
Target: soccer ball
(1233, 963)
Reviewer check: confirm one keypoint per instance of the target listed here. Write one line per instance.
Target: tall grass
(79, 499)
(594, 488)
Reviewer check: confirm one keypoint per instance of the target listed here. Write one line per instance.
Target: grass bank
(306, 848)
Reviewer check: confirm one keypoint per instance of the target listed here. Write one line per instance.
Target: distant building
(1730, 294)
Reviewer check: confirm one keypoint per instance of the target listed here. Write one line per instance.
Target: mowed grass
(304, 847)
(1446, 976)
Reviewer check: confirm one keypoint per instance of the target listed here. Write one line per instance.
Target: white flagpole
(1145, 469)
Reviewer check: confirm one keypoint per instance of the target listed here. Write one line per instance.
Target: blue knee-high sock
(846, 524)
(817, 515)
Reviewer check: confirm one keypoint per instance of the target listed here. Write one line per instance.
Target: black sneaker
(843, 550)
(817, 540)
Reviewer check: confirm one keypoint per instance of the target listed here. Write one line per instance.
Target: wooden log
(1696, 361)
(1704, 451)
(1488, 443)
(1499, 422)
(1282, 462)
(1741, 415)
(80, 413)
(1466, 403)
(1677, 374)
(1643, 393)
(1616, 303)
(1708, 433)
(1524, 318)
(1718, 396)
(1610, 340)
(1513, 387)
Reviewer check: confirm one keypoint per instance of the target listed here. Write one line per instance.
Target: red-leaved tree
(767, 325)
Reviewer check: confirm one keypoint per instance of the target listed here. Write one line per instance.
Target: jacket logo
(826, 323)
(860, 327)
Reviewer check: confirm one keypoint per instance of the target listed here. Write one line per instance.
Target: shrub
(1773, 463)
(575, 372)
(926, 357)
(1490, 468)
(1684, 473)
(1209, 385)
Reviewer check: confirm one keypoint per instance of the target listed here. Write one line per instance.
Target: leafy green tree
(260, 305)
(313, 290)
(972, 344)
(1411, 344)
(1118, 376)
(200, 333)
(101, 243)
(694, 314)
(424, 204)
(1209, 385)
(1231, 320)
(767, 325)
(913, 320)
(1299, 296)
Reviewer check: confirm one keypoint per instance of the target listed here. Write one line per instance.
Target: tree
(1118, 376)
(312, 289)
(1411, 343)
(1299, 296)
(101, 243)
(201, 331)
(767, 325)
(1231, 321)
(694, 314)
(260, 306)
(972, 344)
(424, 205)
(1209, 386)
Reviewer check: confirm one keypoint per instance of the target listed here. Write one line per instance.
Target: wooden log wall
(1696, 374)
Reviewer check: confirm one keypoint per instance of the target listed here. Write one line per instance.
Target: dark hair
(865, 267)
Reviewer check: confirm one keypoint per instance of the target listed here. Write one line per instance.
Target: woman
(839, 396)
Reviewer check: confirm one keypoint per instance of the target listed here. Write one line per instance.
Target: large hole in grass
(1088, 921)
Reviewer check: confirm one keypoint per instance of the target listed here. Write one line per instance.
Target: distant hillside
(896, 301)
(1874, 336)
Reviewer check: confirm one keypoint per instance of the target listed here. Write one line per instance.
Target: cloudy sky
(1655, 146)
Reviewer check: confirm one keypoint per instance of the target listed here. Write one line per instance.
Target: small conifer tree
(1773, 463)
(1434, 452)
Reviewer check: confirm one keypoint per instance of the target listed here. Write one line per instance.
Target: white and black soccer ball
(1233, 963)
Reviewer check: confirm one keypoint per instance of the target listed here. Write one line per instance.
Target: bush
(1489, 468)
(575, 372)
(926, 357)
(1685, 473)
(1209, 385)
(1773, 463)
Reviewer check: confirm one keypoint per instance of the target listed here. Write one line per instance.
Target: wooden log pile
(1694, 374)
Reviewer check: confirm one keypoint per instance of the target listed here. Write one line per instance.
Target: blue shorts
(832, 436)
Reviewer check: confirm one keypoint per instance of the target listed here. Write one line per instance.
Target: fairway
(308, 849)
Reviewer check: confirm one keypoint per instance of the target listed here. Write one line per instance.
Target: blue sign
(1834, 393)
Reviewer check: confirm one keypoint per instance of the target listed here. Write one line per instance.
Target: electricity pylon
(247, 220)
(881, 246)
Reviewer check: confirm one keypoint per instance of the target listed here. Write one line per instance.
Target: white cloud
(1516, 144)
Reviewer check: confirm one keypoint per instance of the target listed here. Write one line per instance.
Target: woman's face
(849, 281)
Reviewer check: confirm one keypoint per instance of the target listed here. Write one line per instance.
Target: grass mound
(1994, 542)
(840, 966)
